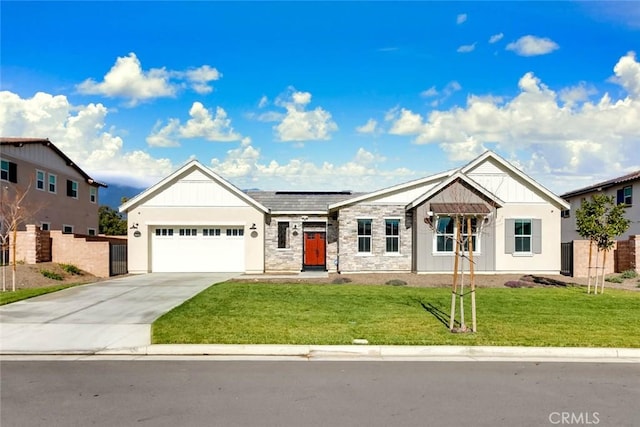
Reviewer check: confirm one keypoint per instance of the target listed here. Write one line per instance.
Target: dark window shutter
(69, 188)
(536, 236)
(13, 172)
(620, 196)
(509, 236)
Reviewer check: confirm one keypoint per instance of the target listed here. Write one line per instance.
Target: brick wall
(625, 255)
(89, 253)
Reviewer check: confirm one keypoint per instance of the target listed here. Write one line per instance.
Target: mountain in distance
(113, 194)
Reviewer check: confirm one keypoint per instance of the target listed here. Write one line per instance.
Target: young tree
(14, 211)
(601, 221)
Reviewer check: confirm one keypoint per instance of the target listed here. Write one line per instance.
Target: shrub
(51, 275)
(629, 274)
(70, 268)
(614, 279)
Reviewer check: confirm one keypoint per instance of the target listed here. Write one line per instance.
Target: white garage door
(197, 249)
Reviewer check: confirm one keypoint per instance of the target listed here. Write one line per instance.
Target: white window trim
(65, 226)
(528, 253)
(477, 249)
(93, 194)
(396, 253)
(370, 236)
(77, 189)
(55, 184)
(90, 229)
(48, 224)
(44, 180)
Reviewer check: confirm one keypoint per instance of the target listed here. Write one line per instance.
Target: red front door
(314, 249)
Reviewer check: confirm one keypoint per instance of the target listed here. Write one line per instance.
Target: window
(93, 194)
(283, 235)
(45, 226)
(234, 232)
(67, 229)
(188, 232)
(523, 236)
(72, 189)
(40, 180)
(392, 235)
(624, 196)
(565, 213)
(446, 232)
(364, 235)
(211, 232)
(52, 183)
(164, 232)
(8, 171)
(91, 231)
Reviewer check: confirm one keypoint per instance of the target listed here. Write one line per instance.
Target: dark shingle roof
(299, 201)
(19, 142)
(604, 185)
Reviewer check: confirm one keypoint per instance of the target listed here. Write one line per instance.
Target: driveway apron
(112, 314)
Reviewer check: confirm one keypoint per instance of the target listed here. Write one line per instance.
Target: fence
(625, 255)
(92, 254)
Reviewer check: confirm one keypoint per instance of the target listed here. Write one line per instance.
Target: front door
(314, 250)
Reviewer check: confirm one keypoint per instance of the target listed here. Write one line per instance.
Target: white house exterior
(196, 221)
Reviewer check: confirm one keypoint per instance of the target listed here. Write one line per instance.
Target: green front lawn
(255, 313)
(8, 297)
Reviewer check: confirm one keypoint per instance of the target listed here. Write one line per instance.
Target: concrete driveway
(111, 314)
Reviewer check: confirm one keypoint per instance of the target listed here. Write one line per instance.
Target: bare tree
(14, 211)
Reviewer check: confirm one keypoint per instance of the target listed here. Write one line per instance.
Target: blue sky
(326, 95)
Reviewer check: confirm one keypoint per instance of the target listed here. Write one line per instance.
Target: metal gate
(566, 255)
(117, 259)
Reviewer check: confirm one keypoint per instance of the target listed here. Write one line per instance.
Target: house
(60, 194)
(194, 220)
(621, 188)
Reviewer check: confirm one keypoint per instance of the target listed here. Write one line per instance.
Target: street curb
(377, 352)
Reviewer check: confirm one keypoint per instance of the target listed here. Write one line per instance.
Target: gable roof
(19, 142)
(190, 166)
(300, 202)
(390, 190)
(530, 181)
(451, 179)
(633, 176)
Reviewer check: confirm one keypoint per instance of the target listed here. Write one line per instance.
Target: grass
(20, 294)
(254, 313)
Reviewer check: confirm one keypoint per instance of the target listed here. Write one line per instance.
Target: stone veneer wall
(290, 259)
(377, 261)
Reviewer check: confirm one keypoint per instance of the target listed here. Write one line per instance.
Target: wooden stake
(454, 286)
(472, 278)
(604, 261)
(595, 288)
(589, 270)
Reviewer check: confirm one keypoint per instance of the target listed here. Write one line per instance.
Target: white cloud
(461, 18)
(202, 124)
(466, 48)
(126, 79)
(496, 38)
(79, 131)
(565, 130)
(246, 168)
(532, 46)
(264, 101)
(370, 127)
(451, 87)
(431, 92)
(200, 78)
(299, 124)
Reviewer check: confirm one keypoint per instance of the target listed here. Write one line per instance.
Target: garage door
(197, 249)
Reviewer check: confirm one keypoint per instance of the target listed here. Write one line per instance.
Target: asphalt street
(233, 393)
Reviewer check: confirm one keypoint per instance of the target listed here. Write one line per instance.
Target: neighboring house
(622, 190)
(194, 220)
(60, 194)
